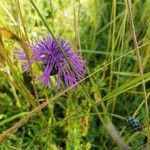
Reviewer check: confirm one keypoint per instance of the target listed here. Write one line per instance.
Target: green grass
(93, 115)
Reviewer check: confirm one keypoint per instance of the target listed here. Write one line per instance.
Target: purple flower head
(53, 61)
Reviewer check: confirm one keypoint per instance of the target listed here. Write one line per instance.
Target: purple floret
(54, 62)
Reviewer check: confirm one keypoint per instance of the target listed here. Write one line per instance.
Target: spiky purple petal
(48, 52)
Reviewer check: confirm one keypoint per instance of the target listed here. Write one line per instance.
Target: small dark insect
(134, 124)
(53, 72)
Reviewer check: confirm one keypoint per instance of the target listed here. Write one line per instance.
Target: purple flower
(53, 61)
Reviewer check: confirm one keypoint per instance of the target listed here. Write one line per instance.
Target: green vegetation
(113, 36)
